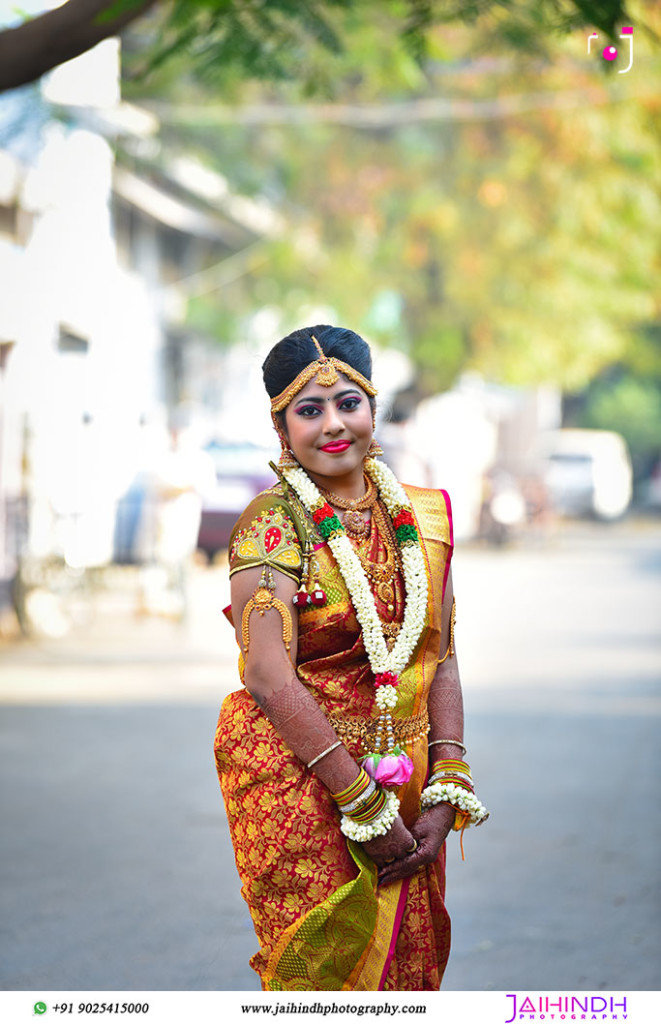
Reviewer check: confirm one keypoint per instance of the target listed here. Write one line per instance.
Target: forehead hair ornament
(327, 371)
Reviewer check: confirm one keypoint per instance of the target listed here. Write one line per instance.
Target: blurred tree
(478, 192)
(621, 401)
(39, 44)
(279, 38)
(503, 228)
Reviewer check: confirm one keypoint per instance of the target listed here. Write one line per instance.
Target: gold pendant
(355, 525)
(386, 593)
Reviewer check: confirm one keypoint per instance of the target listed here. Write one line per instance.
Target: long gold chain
(381, 575)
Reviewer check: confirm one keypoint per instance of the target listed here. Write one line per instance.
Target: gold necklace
(352, 519)
(380, 572)
(381, 575)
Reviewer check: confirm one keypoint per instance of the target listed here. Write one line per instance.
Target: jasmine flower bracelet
(462, 799)
(382, 824)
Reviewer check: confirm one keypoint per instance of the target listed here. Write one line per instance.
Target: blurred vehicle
(587, 473)
(503, 511)
(242, 471)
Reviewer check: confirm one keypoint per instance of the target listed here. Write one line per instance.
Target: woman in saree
(341, 761)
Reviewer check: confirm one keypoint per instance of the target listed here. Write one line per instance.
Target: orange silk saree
(321, 921)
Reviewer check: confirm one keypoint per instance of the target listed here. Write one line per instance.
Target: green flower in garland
(406, 534)
(327, 522)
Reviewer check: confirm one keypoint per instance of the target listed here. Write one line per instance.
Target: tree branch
(30, 50)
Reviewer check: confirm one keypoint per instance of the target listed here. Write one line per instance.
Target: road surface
(117, 872)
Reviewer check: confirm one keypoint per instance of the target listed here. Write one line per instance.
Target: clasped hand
(396, 854)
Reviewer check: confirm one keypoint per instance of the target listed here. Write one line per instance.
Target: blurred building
(97, 259)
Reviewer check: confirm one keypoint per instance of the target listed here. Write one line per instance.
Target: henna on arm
(445, 702)
(270, 677)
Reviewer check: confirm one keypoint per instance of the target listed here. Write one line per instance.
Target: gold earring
(374, 449)
(287, 458)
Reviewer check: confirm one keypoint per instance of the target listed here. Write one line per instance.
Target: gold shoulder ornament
(262, 601)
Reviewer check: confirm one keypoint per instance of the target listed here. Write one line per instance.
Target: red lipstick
(334, 447)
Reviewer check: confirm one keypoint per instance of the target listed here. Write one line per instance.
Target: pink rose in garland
(386, 679)
(389, 769)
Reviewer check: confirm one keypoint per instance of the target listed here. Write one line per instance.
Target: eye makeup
(310, 403)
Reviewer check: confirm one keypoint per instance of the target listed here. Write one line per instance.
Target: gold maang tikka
(327, 371)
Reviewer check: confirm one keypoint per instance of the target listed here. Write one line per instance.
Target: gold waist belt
(363, 730)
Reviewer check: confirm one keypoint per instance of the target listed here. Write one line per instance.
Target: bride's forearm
(446, 713)
(298, 719)
(445, 702)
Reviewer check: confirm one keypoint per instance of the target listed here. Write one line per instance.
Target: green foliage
(264, 39)
(117, 9)
(511, 230)
(632, 407)
(318, 44)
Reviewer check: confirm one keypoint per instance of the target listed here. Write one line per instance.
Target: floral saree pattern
(321, 921)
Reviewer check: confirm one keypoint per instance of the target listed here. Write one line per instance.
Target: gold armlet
(262, 601)
(450, 651)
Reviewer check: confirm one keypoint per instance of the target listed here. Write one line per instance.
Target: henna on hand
(430, 831)
(393, 845)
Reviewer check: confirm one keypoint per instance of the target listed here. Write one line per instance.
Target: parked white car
(587, 472)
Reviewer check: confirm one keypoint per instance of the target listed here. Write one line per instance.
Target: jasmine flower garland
(386, 665)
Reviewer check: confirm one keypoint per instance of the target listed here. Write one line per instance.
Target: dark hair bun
(293, 353)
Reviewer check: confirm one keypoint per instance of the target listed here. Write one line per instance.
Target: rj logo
(610, 52)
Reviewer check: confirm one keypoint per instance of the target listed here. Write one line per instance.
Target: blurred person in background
(158, 521)
(341, 762)
(181, 479)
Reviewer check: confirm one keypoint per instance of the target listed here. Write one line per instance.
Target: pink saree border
(401, 907)
(448, 506)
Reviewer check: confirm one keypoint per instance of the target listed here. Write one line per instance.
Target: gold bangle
(450, 743)
(359, 801)
(333, 746)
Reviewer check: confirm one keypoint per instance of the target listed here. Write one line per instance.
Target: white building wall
(72, 420)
